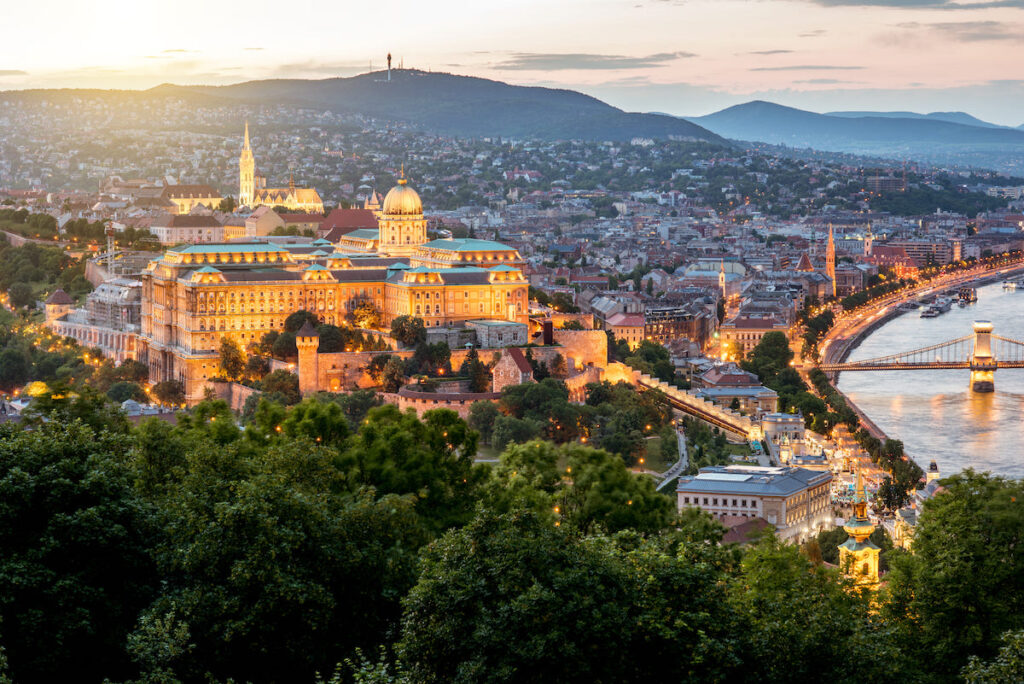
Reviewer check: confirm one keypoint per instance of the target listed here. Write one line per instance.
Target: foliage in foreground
(331, 530)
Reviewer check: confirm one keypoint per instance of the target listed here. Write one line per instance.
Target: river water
(935, 412)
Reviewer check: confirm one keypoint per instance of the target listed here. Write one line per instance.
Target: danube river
(934, 412)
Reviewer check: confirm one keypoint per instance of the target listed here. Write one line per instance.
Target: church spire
(245, 145)
(830, 261)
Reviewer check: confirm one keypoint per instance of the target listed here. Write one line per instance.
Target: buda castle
(253, 191)
(197, 294)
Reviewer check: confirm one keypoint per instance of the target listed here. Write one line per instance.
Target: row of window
(696, 501)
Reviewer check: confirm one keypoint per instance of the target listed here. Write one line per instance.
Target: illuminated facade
(252, 190)
(195, 295)
(858, 555)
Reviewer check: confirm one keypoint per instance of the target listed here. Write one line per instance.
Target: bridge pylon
(983, 363)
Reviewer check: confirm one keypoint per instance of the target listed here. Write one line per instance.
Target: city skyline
(684, 58)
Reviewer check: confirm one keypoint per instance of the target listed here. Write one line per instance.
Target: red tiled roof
(348, 220)
(517, 355)
(60, 297)
(624, 319)
(302, 218)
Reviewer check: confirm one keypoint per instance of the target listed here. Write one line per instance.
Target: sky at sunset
(676, 56)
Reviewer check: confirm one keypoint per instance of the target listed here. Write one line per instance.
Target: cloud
(539, 61)
(924, 4)
(816, 33)
(12, 72)
(825, 81)
(253, 49)
(179, 51)
(809, 67)
(968, 31)
(313, 68)
(770, 52)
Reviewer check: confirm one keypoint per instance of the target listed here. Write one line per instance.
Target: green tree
(284, 346)
(124, 390)
(397, 453)
(74, 552)
(366, 315)
(799, 620)
(232, 360)
(514, 598)
(1007, 666)
(963, 586)
(273, 572)
(14, 369)
(477, 372)
(393, 375)
(20, 294)
(331, 339)
(559, 367)
(282, 385)
(482, 415)
(256, 367)
(169, 392)
(295, 321)
(409, 330)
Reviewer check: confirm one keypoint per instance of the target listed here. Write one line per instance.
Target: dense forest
(343, 541)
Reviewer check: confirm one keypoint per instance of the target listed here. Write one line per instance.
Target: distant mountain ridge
(949, 117)
(929, 138)
(459, 105)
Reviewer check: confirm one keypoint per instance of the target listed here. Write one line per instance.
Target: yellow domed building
(196, 295)
(858, 555)
(402, 226)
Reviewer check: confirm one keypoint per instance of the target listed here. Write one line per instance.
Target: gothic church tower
(246, 173)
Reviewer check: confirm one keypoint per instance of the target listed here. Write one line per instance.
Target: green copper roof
(208, 269)
(467, 245)
(315, 267)
(363, 234)
(851, 545)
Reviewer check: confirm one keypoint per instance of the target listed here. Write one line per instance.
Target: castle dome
(402, 200)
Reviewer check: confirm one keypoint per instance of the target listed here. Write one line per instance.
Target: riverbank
(840, 348)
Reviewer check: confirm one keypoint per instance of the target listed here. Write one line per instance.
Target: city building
(858, 555)
(185, 198)
(109, 320)
(796, 501)
(628, 327)
(253, 190)
(195, 295)
(173, 229)
(740, 334)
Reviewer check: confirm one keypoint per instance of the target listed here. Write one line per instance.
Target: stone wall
(233, 393)
(426, 401)
(339, 371)
(585, 347)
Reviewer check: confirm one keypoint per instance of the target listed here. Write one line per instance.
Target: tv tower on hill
(389, 67)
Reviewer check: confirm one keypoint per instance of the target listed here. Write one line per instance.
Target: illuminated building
(195, 295)
(858, 555)
(253, 191)
(796, 501)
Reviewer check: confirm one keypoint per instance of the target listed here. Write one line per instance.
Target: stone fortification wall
(340, 371)
(233, 393)
(426, 401)
(620, 372)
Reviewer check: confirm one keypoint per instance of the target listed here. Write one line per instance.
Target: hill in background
(940, 138)
(461, 106)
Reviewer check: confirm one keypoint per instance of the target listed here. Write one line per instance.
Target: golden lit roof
(402, 200)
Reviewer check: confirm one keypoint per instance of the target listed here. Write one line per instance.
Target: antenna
(389, 67)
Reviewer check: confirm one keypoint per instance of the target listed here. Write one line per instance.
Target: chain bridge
(983, 352)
